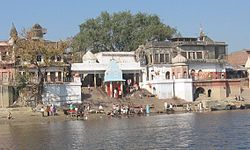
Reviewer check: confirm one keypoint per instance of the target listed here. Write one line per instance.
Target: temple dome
(37, 26)
(89, 57)
(37, 31)
(179, 59)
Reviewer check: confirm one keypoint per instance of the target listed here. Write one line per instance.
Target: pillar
(42, 61)
(121, 84)
(111, 89)
(48, 77)
(140, 76)
(56, 74)
(106, 87)
(134, 78)
(0, 56)
(62, 76)
(95, 80)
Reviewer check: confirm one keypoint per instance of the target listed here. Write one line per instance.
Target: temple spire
(13, 31)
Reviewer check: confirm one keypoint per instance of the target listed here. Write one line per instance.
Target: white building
(93, 67)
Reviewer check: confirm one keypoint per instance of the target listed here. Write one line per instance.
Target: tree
(121, 31)
(32, 52)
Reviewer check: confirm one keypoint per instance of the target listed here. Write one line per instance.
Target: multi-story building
(200, 59)
(7, 70)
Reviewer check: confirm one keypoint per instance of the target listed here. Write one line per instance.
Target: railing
(208, 75)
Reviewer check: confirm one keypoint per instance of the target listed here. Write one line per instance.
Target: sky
(221, 20)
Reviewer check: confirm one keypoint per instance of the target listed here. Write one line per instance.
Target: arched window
(167, 75)
(184, 74)
(173, 75)
(192, 73)
(222, 76)
(209, 93)
(199, 73)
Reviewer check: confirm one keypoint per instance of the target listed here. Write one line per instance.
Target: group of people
(50, 110)
(126, 110)
(168, 106)
(239, 98)
(79, 110)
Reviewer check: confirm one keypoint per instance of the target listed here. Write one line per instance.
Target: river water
(212, 130)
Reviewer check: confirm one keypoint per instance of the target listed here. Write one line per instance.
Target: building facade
(7, 70)
(97, 70)
(198, 64)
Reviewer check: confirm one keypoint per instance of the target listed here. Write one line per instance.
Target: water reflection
(215, 130)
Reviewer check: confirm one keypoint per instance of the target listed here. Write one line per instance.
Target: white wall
(184, 89)
(163, 89)
(59, 94)
(180, 88)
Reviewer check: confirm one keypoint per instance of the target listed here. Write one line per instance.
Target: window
(58, 58)
(52, 76)
(161, 58)
(167, 58)
(199, 55)
(173, 75)
(39, 58)
(192, 73)
(184, 74)
(200, 73)
(167, 75)
(4, 54)
(209, 93)
(156, 59)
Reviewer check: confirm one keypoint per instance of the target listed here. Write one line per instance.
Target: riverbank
(25, 115)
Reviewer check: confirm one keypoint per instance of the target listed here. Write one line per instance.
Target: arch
(200, 74)
(198, 91)
(209, 93)
(173, 75)
(192, 73)
(222, 76)
(167, 76)
(184, 74)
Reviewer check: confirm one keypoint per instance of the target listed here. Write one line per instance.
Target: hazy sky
(222, 20)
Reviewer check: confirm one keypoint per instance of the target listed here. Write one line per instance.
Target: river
(212, 130)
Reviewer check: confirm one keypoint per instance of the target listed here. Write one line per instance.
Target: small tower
(37, 32)
(202, 34)
(13, 33)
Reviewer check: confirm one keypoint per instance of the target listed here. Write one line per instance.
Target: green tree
(121, 31)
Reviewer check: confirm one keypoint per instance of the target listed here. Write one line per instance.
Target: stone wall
(219, 89)
(6, 96)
